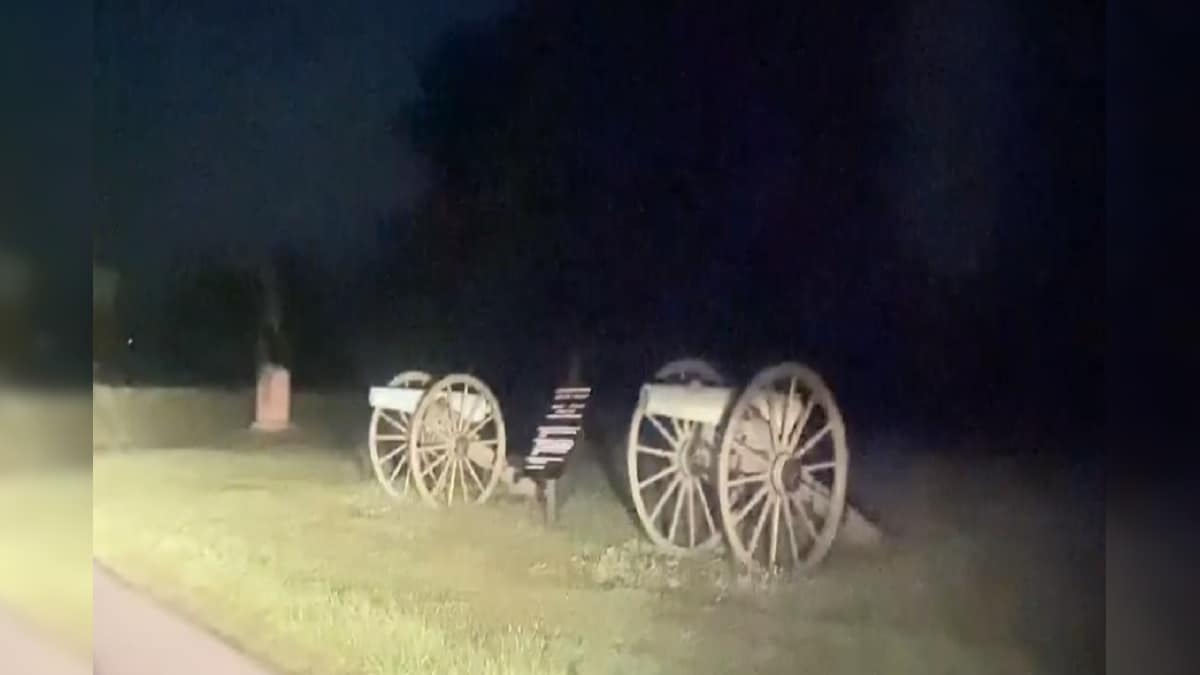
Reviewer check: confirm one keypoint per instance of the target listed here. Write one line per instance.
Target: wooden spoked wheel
(781, 471)
(458, 442)
(387, 439)
(669, 463)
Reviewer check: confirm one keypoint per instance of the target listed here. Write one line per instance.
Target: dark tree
(890, 193)
(211, 320)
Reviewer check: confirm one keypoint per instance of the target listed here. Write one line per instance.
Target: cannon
(763, 469)
(387, 438)
(446, 438)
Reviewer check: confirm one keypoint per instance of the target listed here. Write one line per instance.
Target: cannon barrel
(406, 399)
(692, 402)
(395, 398)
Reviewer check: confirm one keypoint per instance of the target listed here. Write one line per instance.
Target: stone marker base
(271, 427)
(272, 405)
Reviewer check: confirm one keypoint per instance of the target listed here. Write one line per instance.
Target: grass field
(45, 552)
(46, 513)
(293, 555)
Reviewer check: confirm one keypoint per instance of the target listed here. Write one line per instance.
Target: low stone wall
(39, 428)
(124, 417)
(162, 417)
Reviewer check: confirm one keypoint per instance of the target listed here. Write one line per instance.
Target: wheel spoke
(399, 467)
(677, 427)
(712, 526)
(399, 449)
(398, 423)
(768, 398)
(691, 512)
(428, 470)
(431, 448)
(391, 437)
(787, 404)
(656, 477)
(462, 480)
(463, 417)
(815, 486)
(474, 429)
(818, 466)
(456, 477)
(440, 483)
(748, 479)
(453, 413)
(745, 449)
(475, 476)
(773, 546)
(663, 499)
(665, 454)
(758, 527)
(797, 430)
(791, 529)
(683, 486)
(663, 430)
(803, 513)
(469, 415)
(758, 496)
(757, 412)
(816, 438)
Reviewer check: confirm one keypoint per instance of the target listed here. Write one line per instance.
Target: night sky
(910, 198)
(242, 124)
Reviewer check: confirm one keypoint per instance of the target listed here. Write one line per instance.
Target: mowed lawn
(45, 553)
(293, 556)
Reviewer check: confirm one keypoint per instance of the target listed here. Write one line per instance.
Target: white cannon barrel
(407, 399)
(396, 398)
(691, 402)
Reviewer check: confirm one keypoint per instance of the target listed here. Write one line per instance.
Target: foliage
(868, 189)
(580, 171)
(211, 317)
(16, 334)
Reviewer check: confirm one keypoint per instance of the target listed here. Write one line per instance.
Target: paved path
(23, 651)
(135, 636)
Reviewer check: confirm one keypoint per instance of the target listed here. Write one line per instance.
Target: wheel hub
(791, 474)
(784, 474)
(685, 461)
(461, 445)
(693, 456)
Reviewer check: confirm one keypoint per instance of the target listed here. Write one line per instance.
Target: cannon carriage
(762, 468)
(445, 438)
